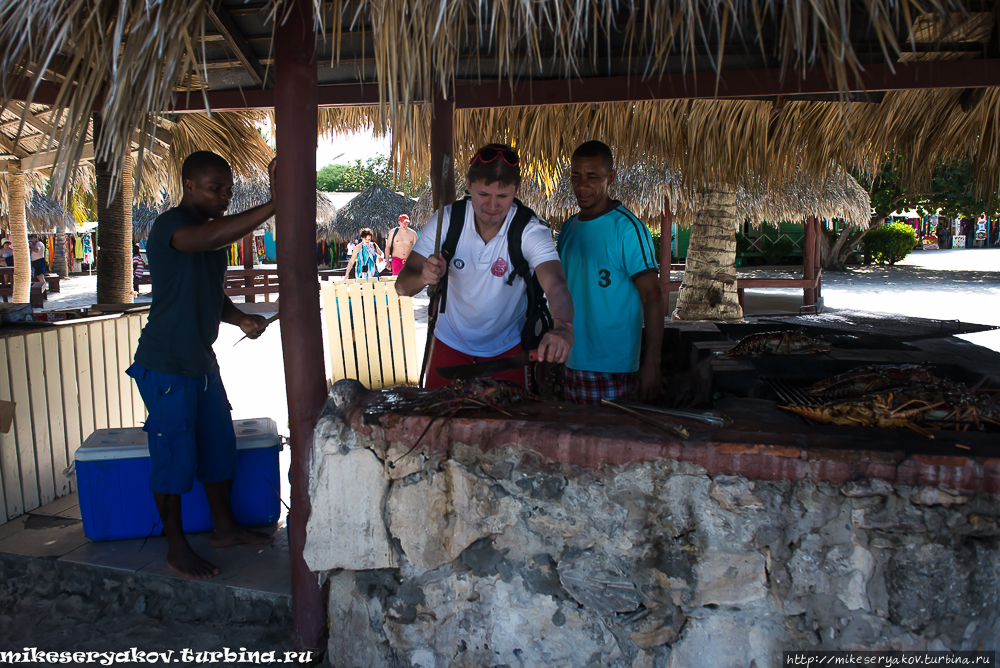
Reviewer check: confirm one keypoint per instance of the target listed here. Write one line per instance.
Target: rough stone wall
(497, 559)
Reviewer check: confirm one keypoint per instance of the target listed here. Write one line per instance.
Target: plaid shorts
(589, 387)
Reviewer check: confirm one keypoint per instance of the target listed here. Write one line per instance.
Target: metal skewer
(672, 429)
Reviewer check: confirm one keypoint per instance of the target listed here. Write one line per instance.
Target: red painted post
(301, 335)
(442, 141)
(819, 261)
(666, 252)
(248, 252)
(809, 261)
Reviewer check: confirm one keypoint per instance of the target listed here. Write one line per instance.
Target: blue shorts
(189, 428)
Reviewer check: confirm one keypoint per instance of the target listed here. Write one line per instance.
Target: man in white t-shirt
(484, 314)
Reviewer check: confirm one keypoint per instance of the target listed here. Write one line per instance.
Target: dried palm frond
(643, 190)
(133, 53)
(233, 135)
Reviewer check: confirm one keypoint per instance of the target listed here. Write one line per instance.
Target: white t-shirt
(483, 315)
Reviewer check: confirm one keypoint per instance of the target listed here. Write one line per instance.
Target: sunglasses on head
(489, 154)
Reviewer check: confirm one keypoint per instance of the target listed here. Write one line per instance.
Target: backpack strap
(519, 265)
(456, 222)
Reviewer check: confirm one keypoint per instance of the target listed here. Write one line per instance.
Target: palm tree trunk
(19, 234)
(114, 230)
(708, 291)
(59, 264)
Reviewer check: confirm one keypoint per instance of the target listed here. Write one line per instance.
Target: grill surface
(881, 324)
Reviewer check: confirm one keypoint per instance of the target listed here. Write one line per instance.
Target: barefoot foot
(238, 535)
(186, 561)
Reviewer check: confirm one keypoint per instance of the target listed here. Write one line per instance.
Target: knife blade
(479, 369)
(260, 330)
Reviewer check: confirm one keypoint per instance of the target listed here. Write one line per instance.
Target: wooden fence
(370, 333)
(66, 382)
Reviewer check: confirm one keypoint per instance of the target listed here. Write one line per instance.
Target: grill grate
(794, 392)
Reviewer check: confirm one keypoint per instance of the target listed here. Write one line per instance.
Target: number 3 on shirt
(605, 278)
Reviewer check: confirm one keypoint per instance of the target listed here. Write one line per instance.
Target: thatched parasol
(377, 208)
(642, 190)
(246, 195)
(45, 216)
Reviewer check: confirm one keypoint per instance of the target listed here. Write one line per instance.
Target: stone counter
(519, 543)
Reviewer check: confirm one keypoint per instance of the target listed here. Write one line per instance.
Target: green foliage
(890, 243)
(774, 252)
(330, 179)
(743, 244)
(952, 190)
(358, 176)
(656, 243)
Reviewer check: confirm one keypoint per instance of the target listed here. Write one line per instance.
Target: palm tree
(114, 233)
(708, 291)
(19, 233)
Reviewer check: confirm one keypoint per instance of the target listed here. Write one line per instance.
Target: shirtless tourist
(400, 244)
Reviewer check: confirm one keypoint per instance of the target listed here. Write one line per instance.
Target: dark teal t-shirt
(188, 298)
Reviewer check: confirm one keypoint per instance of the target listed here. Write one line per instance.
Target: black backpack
(538, 320)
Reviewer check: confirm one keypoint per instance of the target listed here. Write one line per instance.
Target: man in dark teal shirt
(610, 265)
(190, 429)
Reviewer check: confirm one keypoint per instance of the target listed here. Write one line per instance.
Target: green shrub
(889, 243)
(774, 252)
(656, 244)
(743, 244)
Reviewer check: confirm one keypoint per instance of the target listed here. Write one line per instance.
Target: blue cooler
(112, 476)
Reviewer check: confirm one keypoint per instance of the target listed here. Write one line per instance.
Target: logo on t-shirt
(499, 267)
(459, 263)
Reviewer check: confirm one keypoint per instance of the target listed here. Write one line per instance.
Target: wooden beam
(9, 146)
(224, 23)
(924, 75)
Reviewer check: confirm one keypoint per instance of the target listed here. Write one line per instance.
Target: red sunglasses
(490, 154)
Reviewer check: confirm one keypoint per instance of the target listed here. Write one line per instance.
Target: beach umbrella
(376, 207)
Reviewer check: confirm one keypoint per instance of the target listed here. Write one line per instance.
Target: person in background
(138, 267)
(400, 244)
(366, 254)
(190, 424)
(37, 250)
(611, 269)
(7, 254)
(487, 302)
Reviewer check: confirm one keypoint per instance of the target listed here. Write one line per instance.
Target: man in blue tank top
(189, 428)
(607, 254)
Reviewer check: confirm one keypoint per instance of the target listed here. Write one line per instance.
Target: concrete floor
(56, 531)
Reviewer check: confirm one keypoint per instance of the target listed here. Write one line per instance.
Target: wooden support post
(666, 253)
(442, 142)
(248, 253)
(301, 334)
(819, 260)
(809, 261)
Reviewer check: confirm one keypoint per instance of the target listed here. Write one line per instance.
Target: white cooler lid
(130, 443)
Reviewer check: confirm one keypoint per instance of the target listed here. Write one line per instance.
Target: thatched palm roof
(45, 215)
(141, 58)
(246, 195)
(643, 190)
(377, 208)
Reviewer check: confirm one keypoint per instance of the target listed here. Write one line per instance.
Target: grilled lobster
(778, 343)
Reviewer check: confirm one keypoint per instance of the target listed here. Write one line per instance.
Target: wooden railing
(66, 381)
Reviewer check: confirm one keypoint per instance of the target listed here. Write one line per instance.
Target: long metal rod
(301, 334)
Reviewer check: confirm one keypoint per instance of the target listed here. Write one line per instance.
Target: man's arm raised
(226, 230)
(556, 343)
